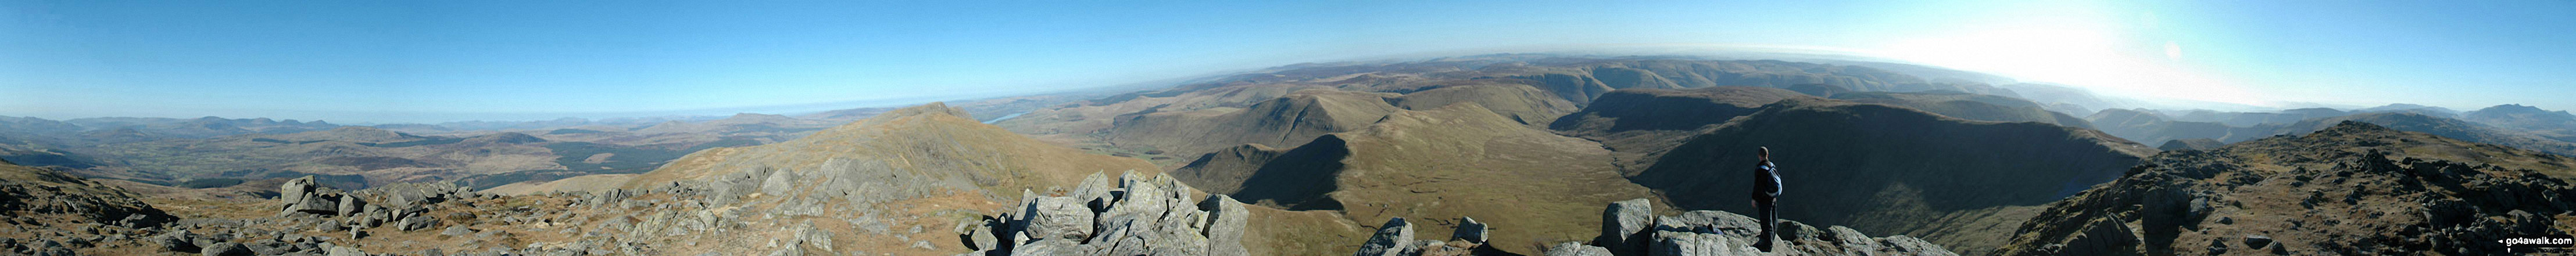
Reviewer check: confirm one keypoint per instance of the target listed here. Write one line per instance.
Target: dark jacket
(1766, 181)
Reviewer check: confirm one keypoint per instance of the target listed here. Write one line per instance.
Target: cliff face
(2354, 189)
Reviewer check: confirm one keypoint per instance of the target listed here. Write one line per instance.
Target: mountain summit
(2353, 188)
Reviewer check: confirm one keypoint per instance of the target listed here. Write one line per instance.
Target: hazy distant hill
(2412, 108)
(2145, 126)
(1969, 106)
(2445, 127)
(2352, 188)
(2250, 119)
(2140, 125)
(2522, 117)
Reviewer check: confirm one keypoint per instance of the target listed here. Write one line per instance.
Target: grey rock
(1093, 191)
(302, 195)
(1052, 217)
(1050, 247)
(2257, 241)
(982, 238)
(179, 241)
(1577, 249)
(1623, 225)
(1469, 230)
(1676, 243)
(345, 251)
(349, 205)
(1394, 238)
(296, 189)
(416, 223)
(1225, 228)
(456, 231)
(1849, 240)
(1142, 216)
(1905, 245)
(329, 226)
(225, 249)
(266, 248)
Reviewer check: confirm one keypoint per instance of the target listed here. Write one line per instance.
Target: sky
(431, 61)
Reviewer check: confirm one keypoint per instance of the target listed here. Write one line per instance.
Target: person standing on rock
(1766, 190)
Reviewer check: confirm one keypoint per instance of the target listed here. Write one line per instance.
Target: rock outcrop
(1140, 216)
(48, 212)
(31, 191)
(2351, 189)
(1630, 228)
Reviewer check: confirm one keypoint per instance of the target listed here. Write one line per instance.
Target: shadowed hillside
(1885, 169)
(1639, 125)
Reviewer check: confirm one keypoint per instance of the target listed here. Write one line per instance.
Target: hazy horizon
(459, 61)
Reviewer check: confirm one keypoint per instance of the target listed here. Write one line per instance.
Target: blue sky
(513, 60)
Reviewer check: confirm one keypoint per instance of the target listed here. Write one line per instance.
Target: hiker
(1766, 188)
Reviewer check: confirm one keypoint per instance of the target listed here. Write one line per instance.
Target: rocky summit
(1631, 228)
(2351, 189)
(48, 212)
(1139, 216)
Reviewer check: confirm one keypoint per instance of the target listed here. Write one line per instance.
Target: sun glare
(2093, 58)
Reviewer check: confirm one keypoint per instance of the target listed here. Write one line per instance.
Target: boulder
(416, 223)
(1094, 191)
(1054, 217)
(453, 231)
(349, 205)
(296, 189)
(1394, 238)
(1142, 216)
(1676, 243)
(1577, 249)
(1469, 230)
(179, 241)
(1623, 225)
(344, 251)
(1226, 218)
(303, 196)
(225, 249)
